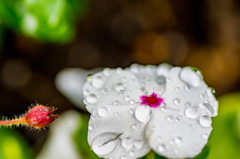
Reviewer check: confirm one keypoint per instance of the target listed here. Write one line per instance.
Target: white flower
(167, 109)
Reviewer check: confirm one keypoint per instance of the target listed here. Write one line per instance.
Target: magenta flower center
(152, 100)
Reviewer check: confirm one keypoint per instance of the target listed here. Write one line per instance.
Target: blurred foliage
(46, 20)
(13, 146)
(224, 140)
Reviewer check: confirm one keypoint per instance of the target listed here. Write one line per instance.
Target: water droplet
(124, 153)
(131, 153)
(132, 101)
(143, 113)
(161, 80)
(111, 158)
(102, 111)
(205, 121)
(189, 125)
(191, 112)
(89, 77)
(97, 81)
(163, 108)
(90, 127)
(191, 77)
(127, 98)
(93, 117)
(201, 95)
(127, 143)
(130, 111)
(91, 98)
(119, 70)
(138, 144)
(205, 136)
(129, 91)
(207, 107)
(105, 143)
(104, 90)
(134, 68)
(124, 157)
(86, 92)
(159, 139)
(168, 80)
(142, 83)
(187, 88)
(116, 103)
(176, 101)
(119, 87)
(107, 72)
(178, 140)
(177, 89)
(117, 113)
(170, 118)
(161, 148)
(134, 126)
(188, 104)
(176, 151)
(144, 90)
(171, 142)
(177, 119)
(124, 78)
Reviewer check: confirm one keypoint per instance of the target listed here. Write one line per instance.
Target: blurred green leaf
(46, 20)
(225, 137)
(81, 140)
(12, 145)
(204, 153)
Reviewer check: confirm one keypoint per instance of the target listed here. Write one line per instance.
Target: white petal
(115, 132)
(176, 129)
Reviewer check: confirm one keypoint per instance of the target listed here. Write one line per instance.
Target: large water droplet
(102, 111)
(161, 80)
(191, 112)
(163, 69)
(143, 113)
(119, 87)
(190, 77)
(119, 70)
(97, 81)
(161, 148)
(86, 92)
(91, 98)
(176, 101)
(105, 143)
(134, 68)
(138, 144)
(107, 71)
(207, 107)
(205, 121)
(127, 143)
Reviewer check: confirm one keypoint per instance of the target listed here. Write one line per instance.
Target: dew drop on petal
(176, 101)
(105, 143)
(119, 87)
(134, 126)
(119, 70)
(127, 98)
(191, 77)
(130, 111)
(161, 80)
(90, 127)
(104, 90)
(207, 107)
(187, 88)
(107, 71)
(91, 98)
(161, 148)
(170, 118)
(124, 78)
(178, 140)
(111, 158)
(143, 113)
(144, 90)
(138, 144)
(205, 136)
(177, 89)
(201, 95)
(177, 119)
(191, 112)
(131, 153)
(205, 121)
(134, 68)
(86, 92)
(132, 101)
(116, 103)
(97, 81)
(117, 113)
(210, 91)
(159, 139)
(127, 143)
(102, 111)
(188, 104)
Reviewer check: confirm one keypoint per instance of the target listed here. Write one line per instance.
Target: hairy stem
(12, 122)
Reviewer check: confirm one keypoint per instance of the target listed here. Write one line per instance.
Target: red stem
(12, 122)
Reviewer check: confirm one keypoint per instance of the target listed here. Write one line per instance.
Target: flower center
(152, 100)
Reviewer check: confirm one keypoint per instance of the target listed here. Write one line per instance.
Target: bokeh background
(39, 39)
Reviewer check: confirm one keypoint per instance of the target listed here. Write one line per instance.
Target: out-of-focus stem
(12, 122)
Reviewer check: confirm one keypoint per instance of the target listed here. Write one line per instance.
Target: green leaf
(204, 153)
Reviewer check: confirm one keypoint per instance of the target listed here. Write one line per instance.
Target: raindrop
(163, 108)
(205, 121)
(86, 92)
(191, 112)
(187, 88)
(130, 111)
(170, 118)
(191, 77)
(177, 119)
(176, 151)
(159, 139)
(124, 157)
(91, 98)
(210, 91)
(177, 89)
(97, 81)
(178, 140)
(127, 143)
(207, 107)
(131, 153)
(201, 95)
(124, 153)
(168, 80)
(205, 136)
(188, 104)
(161, 80)
(107, 71)
(119, 87)
(161, 148)
(90, 127)
(132, 101)
(93, 117)
(117, 113)
(143, 113)
(104, 90)
(142, 83)
(127, 98)
(102, 111)
(119, 70)
(134, 68)
(134, 126)
(124, 78)
(129, 91)
(111, 158)
(138, 144)
(116, 103)
(144, 90)
(176, 101)
(105, 143)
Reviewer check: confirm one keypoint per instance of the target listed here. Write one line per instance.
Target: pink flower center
(152, 100)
